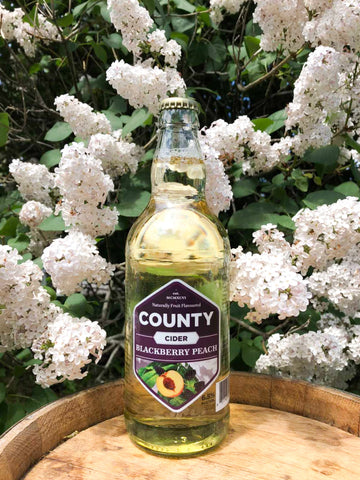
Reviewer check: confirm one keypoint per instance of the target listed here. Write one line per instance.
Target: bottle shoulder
(181, 231)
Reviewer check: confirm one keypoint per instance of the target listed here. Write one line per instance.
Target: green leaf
(51, 158)
(76, 304)
(355, 171)
(286, 222)
(51, 292)
(235, 347)
(115, 121)
(322, 197)
(262, 124)
(8, 229)
(114, 40)
(66, 20)
(278, 118)
(4, 128)
(79, 9)
(254, 216)
(54, 223)
(350, 142)
(150, 5)
(324, 158)
(252, 44)
(181, 24)
(100, 52)
(104, 11)
(133, 202)
(138, 118)
(301, 182)
(249, 353)
(181, 38)
(20, 242)
(244, 187)
(184, 5)
(350, 189)
(2, 392)
(58, 132)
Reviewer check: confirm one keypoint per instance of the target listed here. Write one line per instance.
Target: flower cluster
(144, 85)
(65, 347)
(282, 24)
(34, 181)
(240, 142)
(73, 259)
(80, 116)
(32, 213)
(132, 20)
(322, 357)
(117, 155)
(13, 27)
(268, 283)
(344, 32)
(314, 112)
(171, 50)
(339, 283)
(25, 307)
(217, 6)
(326, 233)
(84, 187)
(218, 190)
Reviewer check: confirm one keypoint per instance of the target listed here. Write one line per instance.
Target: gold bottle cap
(178, 102)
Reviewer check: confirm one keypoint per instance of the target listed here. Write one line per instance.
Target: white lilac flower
(144, 85)
(340, 283)
(325, 234)
(25, 305)
(345, 31)
(66, 346)
(229, 6)
(132, 20)
(13, 27)
(319, 92)
(80, 177)
(84, 188)
(33, 213)
(281, 23)
(239, 142)
(83, 121)
(34, 181)
(320, 357)
(267, 284)
(117, 156)
(218, 191)
(73, 259)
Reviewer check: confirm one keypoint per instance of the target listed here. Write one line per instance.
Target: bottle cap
(178, 103)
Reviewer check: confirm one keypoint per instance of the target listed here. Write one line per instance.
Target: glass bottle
(177, 309)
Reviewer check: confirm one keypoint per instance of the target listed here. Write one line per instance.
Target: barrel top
(262, 444)
(279, 429)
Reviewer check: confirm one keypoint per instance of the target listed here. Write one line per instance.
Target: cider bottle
(177, 307)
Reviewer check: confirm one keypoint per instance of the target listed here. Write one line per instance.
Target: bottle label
(176, 344)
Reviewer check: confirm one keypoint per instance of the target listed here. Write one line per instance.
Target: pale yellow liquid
(176, 238)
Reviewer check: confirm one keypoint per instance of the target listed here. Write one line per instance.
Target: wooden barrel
(280, 430)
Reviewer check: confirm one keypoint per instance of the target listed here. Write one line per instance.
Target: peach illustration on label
(170, 384)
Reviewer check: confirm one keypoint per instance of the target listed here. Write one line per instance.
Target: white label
(222, 393)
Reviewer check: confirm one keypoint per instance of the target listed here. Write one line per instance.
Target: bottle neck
(178, 170)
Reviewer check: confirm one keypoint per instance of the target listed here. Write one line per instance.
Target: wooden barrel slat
(262, 421)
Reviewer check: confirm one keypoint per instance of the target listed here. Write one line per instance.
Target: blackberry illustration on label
(176, 344)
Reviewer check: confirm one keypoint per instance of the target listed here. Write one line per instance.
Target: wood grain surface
(267, 436)
(263, 444)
